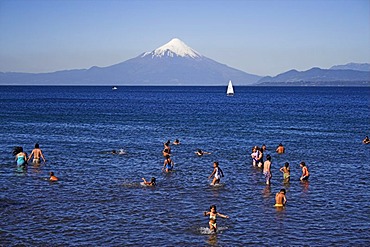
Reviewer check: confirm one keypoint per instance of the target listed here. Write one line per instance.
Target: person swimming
(213, 217)
(53, 177)
(151, 183)
(200, 152)
(366, 140)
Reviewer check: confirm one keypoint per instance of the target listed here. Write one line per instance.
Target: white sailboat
(230, 89)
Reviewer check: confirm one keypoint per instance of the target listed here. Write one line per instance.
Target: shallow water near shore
(99, 199)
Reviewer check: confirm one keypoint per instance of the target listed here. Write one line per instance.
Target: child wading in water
(217, 173)
(212, 217)
(305, 173)
(286, 172)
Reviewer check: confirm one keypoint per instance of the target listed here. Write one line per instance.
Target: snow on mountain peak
(174, 48)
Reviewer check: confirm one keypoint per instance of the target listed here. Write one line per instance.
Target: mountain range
(339, 76)
(174, 63)
(177, 64)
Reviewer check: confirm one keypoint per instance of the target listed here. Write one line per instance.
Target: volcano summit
(173, 64)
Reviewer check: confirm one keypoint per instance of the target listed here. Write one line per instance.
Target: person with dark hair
(212, 217)
(53, 177)
(37, 154)
(280, 198)
(20, 156)
(286, 172)
(168, 164)
(267, 169)
(167, 146)
(200, 152)
(305, 173)
(280, 149)
(151, 183)
(217, 173)
(257, 156)
(366, 140)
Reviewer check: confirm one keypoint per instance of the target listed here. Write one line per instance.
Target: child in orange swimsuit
(212, 217)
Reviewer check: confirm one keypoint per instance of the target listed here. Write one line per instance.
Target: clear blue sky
(263, 37)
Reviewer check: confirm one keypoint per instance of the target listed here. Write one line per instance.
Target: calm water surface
(99, 199)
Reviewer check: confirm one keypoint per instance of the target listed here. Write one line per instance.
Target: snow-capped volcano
(172, 64)
(174, 48)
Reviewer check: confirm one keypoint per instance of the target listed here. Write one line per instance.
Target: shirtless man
(267, 169)
(37, 154)
(280, 199)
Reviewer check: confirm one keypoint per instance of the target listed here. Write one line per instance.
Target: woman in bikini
(212, 217)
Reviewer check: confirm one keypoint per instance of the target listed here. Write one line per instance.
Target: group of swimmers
(258, 161)
(168, 165)
(217, 173)
(22, 158)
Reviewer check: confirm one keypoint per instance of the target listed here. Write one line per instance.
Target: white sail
(230, 89)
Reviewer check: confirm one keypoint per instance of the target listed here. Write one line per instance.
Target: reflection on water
(305, 186)
(212, 240)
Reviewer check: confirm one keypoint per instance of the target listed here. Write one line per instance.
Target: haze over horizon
(258, 37)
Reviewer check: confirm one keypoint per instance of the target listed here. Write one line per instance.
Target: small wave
(207, 231)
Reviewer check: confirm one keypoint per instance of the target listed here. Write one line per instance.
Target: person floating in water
(200, 152)
(20, 156)
(366, 140)
(176, 142)
(168, 164)
(217, 173)
(280, 198)
(37, 154)
(305, 173)
(267, 169)
(151, 183)
(53, 177)
(212, 217)
(280, 149)
(286, 172)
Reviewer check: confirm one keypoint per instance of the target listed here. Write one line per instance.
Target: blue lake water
(99, 200)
